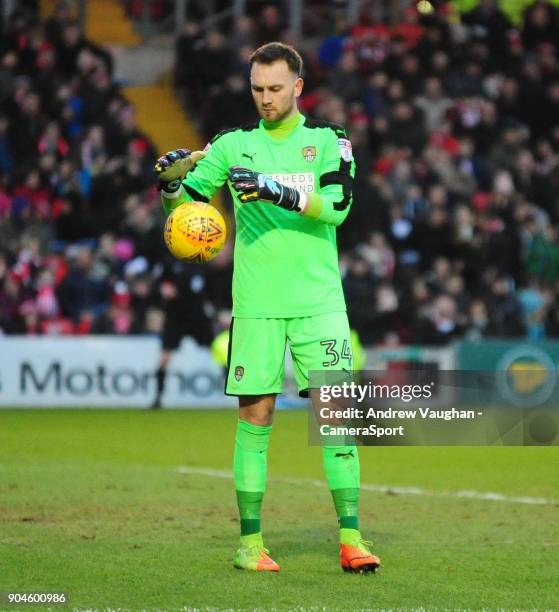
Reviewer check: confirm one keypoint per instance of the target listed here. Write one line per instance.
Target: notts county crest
(309, 153)
(239, 372)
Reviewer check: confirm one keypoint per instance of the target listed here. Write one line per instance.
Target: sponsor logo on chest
(302, 181)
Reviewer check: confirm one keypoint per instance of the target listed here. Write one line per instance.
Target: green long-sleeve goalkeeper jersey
(285, 264)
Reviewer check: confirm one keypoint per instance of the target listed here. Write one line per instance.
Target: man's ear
(299, 83)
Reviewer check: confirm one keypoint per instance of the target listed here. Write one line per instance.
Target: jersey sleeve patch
(345, 149)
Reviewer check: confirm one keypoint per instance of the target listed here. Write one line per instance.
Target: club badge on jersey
(309, 153)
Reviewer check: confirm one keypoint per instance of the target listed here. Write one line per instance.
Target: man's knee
(257, 409)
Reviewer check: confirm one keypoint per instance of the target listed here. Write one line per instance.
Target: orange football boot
(355, 555)
(253, 556)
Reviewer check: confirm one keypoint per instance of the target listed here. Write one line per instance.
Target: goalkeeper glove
(254, 186)
(172, 167)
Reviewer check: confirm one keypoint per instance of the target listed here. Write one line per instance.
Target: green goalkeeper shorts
(257, 351)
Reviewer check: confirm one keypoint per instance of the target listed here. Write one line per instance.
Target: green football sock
(341, 465)
(253, 539)
(349, 536)
(249, 470)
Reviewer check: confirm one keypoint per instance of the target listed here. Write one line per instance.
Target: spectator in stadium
(6, 160)
(440, 324)
(119, 318)
(490, 24)
(540, 25)
(478, 321)
(86, 287)
(504, 309)
(433, 103)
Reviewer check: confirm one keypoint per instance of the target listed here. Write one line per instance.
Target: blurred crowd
(454, 122)
(81, 247)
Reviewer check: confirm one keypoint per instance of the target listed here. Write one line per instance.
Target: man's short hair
(276, 51)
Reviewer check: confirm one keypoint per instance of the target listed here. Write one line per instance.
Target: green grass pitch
(93, 503)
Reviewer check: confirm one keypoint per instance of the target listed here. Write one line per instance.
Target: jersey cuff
(314, 206)
(303, 203)
(173, 200)
(172, 195)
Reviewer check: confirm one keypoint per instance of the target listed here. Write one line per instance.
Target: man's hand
(172, 167)
(254, 186)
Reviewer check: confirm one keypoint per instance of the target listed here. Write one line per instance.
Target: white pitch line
(487, 496)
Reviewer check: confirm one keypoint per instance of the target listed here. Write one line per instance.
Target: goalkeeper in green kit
(291, 180)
